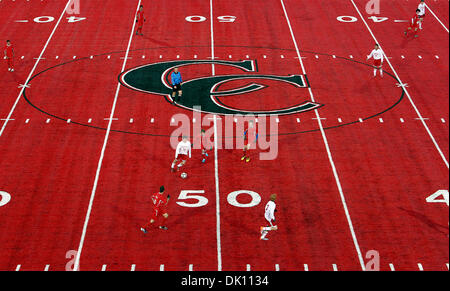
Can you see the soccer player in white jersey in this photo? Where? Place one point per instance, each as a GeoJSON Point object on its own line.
{"type": "Point", "coordinates": [378, 58]}
{"type": "Point", "coordinates": [181, 154]}
{"type": "Point", "coordinates": [421, 7]}
{"type": "Point", "coordinates": [269, 215]}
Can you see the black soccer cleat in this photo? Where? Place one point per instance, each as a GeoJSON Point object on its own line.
{"type": "Point", "coordinates": [143, 230]}
{"type": "Point", "coordinates": [163, 227]}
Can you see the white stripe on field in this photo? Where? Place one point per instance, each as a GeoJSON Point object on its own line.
{"type": "Point", "coordinates": [404, 88]}
{"type": "Point", "coordinates": [325, 140]}
{"type": "Point", "coordinates": [216, 158]}
{"type": "Point", "coordinates": [102, 154]}
{"type": "Point", "coordinates": [33, 69]}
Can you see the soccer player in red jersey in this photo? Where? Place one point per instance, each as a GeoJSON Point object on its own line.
{"type": "Point", "coordinates": [250, 135]}
{"type": "Point", "coordinates": [159, 208]}
{"type": "Point", "coordinates": [140, 19]}
{"type": "Point", "coordinates": [9, 55]}
{"type": "Point", "coordinates": [205, 148]}
{"type": "Point", "coordinates": [414, 25]}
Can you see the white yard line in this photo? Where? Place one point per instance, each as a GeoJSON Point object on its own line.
{"type": "Point", "coordinates": [437, 18]}
{"type": "Point", "coordinates": [33, 69]}
{"type": "Point", "coordinates": [105, 142]}
{"type": "Point", "coordinates": [404, 88]}
{"type": "Point", "coordinates": [330, 158]}
{"type": "Point", "coordinates": [216, 158]}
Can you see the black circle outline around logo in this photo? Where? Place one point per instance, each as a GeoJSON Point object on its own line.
{"type": "Point", "coordinates": [166, 135]}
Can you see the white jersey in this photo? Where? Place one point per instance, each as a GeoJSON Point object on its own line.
{"type": "Point", "coordinates": [270, 211]}
{"type": "Point", "coordinates": [376, 54]}
{"type": "Point", "coordinates": [183, 148]}
{"type": "Point", "coordinates": [421, 7]}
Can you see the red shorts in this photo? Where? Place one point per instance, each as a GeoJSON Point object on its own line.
{"type": "Point", "coordinates": [182, 157]}
{"type": "Point", "coordinates": [140, 23]}
{"type": "Point", "coordinates": [158, 211]}
{"type": "Point", "coordinates": [377, 63]}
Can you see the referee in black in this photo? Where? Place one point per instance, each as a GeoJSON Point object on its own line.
{"type": "Point", "coordinates": [176, 84]}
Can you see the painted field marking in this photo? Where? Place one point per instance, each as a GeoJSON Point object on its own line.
{"type": "Point", "coordinates": [305, 266]}
{"type": "Point", "coordinates": [111, 119]}
{"type": "Point", "coordinates": [437, 57]}
{"type": "Point", "coordinates": [429, 9]}
{"type": "Point", "coordinates": [247, 56]}
{"type": "Point", "coordinates": [103, 268]}
{"type": "Point", "coordinates": [178, 56]}
{"type": "Point", "coordinates": [48, 120]}
{"type": "Point", "coordinates": [443, 120]}
{"type": "Point", "coordinates": [131, 120]}
{"type": "Point", "coordinates": [152, 120]}
{"type": "Point", "coordinates": [47, 267]}
{"type": "Point", "coordinates": [328, 151]}
{"type": "Point", "coordinates": [405, 90]}
{"type": "Point", "coordinates": [298, 120]}
{"type": "Point", "coordinates": [68, 120]}
{"type": "Point", "coordinates": [381, 120]}
{"type": "Point", "coordinates": [195, 56]}
{"type": "Point", "coordinates": [335, 268]}
{"type": "Point", "coordinates": [133, 268]}
{"type": "Point", "coordinates": [277, 267]}
{"type": "Point", "coordinates": [420, 266]}
{"type": "Point", "coordinates": [18, 267]}
{"type": "Point", "coordinates": [340, 120]}
{"type": "Point", "coordinates": [249, 268]}
{"type": "Point", "coordinates": [392, 267]}
{"type": "Point", "coordinates": [402, 120]}
{"type": "Point", "coordinates": [191, 267]}
{"type": "Point", "coordinates": [89, 120]}
{"type": "Point", "coordinates": [28, 120]}
{"type": "Point", "coordinates": [11, 119]}
{"type": "Point", "coordinates": [161, 268]}
{"type": "Point", "coordinates": [102, 154]}
{"type": "Point", "coordinates": [447, 267]}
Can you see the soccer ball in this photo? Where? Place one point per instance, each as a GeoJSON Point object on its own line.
{"type": "Point", "coordinates": [184, 175]}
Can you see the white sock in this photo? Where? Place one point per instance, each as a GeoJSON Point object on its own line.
{"type": "Point", "coordinates": [264, 234]}
{"type": "Point", "coordinates": [180, 165]}
{"type": "Point", "coordinates": [375, 72]}
{"type": "Point", "coordinates": [173, 165]}
{"type": "Point", "coordinates": [381, 72]}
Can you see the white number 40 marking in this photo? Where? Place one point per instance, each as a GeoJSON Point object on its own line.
{"type": "Point", "coordinates": [434, 197]}
{"type": "Point", "coordinates": [4, 198]}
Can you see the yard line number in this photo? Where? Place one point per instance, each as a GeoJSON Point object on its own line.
{"type": "Point", "coordinates": [197, 200]}
{"type": "Point", "coordinates": [434, 198]}
{"type": "Point", "coordinates": [4, 198]}
{"type": "Point", "coordinates": [47, 19]}
{"type": "Point", "coordinates": [348, 19]}
{"type": "Point", "coordinates": [199, 18]}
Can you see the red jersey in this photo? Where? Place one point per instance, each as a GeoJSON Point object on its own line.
{"type": "Point", "coordinates": [140, 16]}
{"type": "Point", "coordinates": [251, 133]}
{"type": "Point", "coordinates": [415, 20]}
{"type": "Point", "coordinates": [9, 51]}
{"type": "Point", "coordinates": [158, 200]}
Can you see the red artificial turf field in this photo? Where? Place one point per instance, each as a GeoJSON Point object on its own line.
{"type": "Point", "coordinates": [81, 152]}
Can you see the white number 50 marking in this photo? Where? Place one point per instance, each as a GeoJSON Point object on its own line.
{"type": "Point", "coordinates": [4, 198]}
{"type": "Point", "coordinates": [231, 198]}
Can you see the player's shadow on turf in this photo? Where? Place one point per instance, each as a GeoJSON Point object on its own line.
{"type": "Point", "coordinates": [421, 217]}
